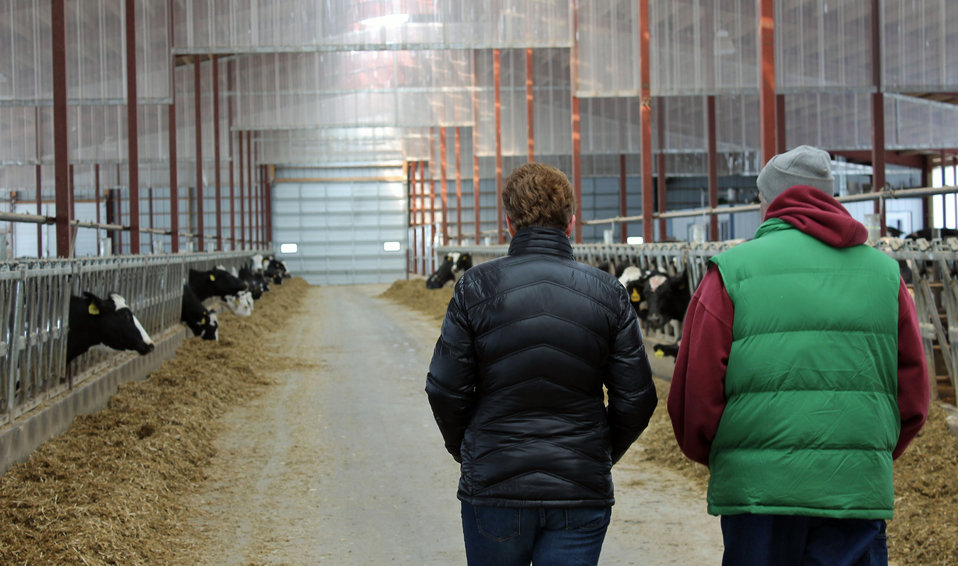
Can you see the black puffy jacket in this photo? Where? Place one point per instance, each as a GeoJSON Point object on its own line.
{"type": "Point", "coordinates": [516, 379]}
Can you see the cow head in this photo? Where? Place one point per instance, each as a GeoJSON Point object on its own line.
{"type": "Point", "coordinates": [240, 304]}
{"type": "Point", "coordinates": [275, 270]}
{"type": "Point", "coordinates": [633, 279]}
{"type": "Point", "coordinates": [216, 282]}
{"type": "Point", "coordinates": [453, 265]}
{"type": "Point", "coordinates": [108, 322]}
{"type": "Point", "coordinates": [206, 325]}
{"type": "Point", "coordinates": [668, 297]}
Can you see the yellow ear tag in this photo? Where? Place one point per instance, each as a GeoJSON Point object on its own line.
{"type": "Point", "coordinates": [93, 310]}
{"type": "Point", "coordinates": [659, 354]}
{"type": "Point", "coordinates": [636, 297]}
{"type": "Point", "coordinates": [202, 321]}
{"type": "Point", "coordinates": [212, 277]}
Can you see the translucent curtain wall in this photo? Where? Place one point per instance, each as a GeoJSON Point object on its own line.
{"type": "Point", "coordinates": [920, 45]}
{"type": "Point", "coordinates": [608, 48]}
{"type": "Point", "coordinates": [251, 26]}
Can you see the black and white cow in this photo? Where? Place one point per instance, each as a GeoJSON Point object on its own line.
{"type": "Point", "coordinates": [255, 282]}
{"type": "Point", "coordinates": [199, 319]}
{"type": "Point", "coordinates": [216, 282]}
{"type": "Point", "coordinates": [451, 268]}
{"type": "Point", "coordinates": [633, 278]}
{"type": "Point", "coordinates": [666, 350]}
{"type": "Point", "coordinates": [107, 322]}
{"type": "Point", "coordinates": [668, 298]}
{"type": "Point", "coordinates": [275, 269]}
{"type": "Point", "coordinates": [240, 304]}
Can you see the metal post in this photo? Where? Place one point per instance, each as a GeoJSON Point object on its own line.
{"type": "Point", "coordinates": [458, 188]}
{"type": "Point", "coordinates": [216, 152]}
{"type": "Point", "coordinates": [766, 99]}
{"type": "Point", "coordinates": [64, 211]}
{"type": "Point", "coordinates": [132, 129]}
{"type": "Point", "coordinates": [712, 165]}
{"type": "Point", "coordinates": [500, 236]}
{"type": "Point", "coordinates": [645, 118]}
{"type": "Point", "coordinates": [444, 193]}
{"type": "Point", "coordinates": [198, 124]}
{"type": "Point", "coordinates": [529, 106]}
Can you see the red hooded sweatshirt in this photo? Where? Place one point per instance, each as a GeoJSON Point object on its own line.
{"type": "Point", "coordinates": [697, 394]}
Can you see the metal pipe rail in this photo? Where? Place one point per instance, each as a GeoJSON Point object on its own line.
{"type": "Point", "coordinates": [884, 194]}
{"type": "Point", "coordinates": [929, 266]}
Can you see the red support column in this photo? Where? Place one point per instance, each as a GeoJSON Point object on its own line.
{"type": "Point", "coordinates": [645, 118]}
{"type": "Point", "coordinates": [242, 205]}
{"type": "Point", "coordinates": [576, 124]}
{"type": "Point", "coordinates": [529, 106]}
{"type": "Point", "coordinates": [780, 146]}
{"type": "Point", "coordinates": [458, 188]}
{"type": "Point", "coordinates": [197, 122]}
{"type": "Point", "coordinates": [766, 99]}
{"type": "Point", "coordinates": [229, 136]}
{"type": "Point", "coordinates": [133, 151]}
{"type": "Point", "coordinates": [174, 181]}
{"type": "Point", "coordinates": [500, 236]}
{"type": "Point", "coordinates": [422, 192]}
{"type": "Point", "coordinates": [249, 179]}
{"type": "Point", "coordinates": [878, 115]}
{"type": "Point", "coordinates": [660, 170]}
{"type": "Point", "coordinates": [411, 191]}
{"type": "Point", "coordinates": [216, 152]}
{"type": "Point", "coordinates": [475, 151]}
{"type": "Point", "coordinates": [40, 208]}
{"type": "Point", "coordinates": [623, 198]}
{"type": "Point", "coordinates": [64, 210]}
{"type": "Point", "coordinates": [444, 191]}
{"type": "Point", "coordinates": [712, 165]}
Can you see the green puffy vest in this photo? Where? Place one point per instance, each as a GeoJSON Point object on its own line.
{"type": "Point", "coordinates": [812, 415]}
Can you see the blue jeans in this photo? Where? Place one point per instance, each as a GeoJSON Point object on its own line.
{"type": "Point", "coordinates": [544, 536]}
{"type": "Point", "coordinates": [786, 540]}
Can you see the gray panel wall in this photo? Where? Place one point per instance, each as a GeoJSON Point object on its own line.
{"type": "Point", "coordinates": [339, 218]}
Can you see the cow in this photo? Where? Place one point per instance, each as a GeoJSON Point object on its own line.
{"type": "Point", "coordinates": [254, 281]}
{"type": "Point", "coordinates": [199, 319]}
{"type": "Point", "coordinates": [668, 298]}
{"type": "Point", "coordinates": [107, 322]}
{"type": "Point", "coordinates": [451, 268]}
{"type": "Point", "coordinates": [240, 304]}
{"type": "Point", "coordinates": [663, 350]}
{"type": "Point", "coordinates": [275, 269]}
{"type": "Point", "coordinates": [633, 279]}
{"type": "Point", "coordinates": [216, 282]}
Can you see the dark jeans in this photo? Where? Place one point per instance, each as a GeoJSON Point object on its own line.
{"type": "Point", "coordinates": [785, 540]}
{"type": "Point", "coordinates": [509, 536]}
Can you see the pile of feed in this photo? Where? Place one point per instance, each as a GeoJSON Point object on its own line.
{"type": "Point", "coordinates": [924, 531]}
{"type": "Point", "coordinates": [110, 490]}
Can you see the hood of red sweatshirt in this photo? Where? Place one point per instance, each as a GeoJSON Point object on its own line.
{"type": "Point", "coordinates": [819, 215]}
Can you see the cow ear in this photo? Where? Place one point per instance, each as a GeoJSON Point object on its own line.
{"type": "Point", "coordinates": [92, 303]}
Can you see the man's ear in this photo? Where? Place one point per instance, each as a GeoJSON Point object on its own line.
{"type": "Point", "coordinates": [568, 230]}
{"type": "Point", "coordinates": [512, 231]}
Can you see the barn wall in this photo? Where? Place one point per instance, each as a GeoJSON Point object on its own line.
{"type": "Point", "coordinates": [339, 218]}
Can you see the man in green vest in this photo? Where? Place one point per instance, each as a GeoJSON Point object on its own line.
{"type": "Point", "coordinates": [800, 377]}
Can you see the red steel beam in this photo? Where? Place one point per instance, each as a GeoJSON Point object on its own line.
{"type": "Point", "coordinates": [500, 236]}
{"type": "Point", "coordinates": [422, 212]}
{"type": "Point", "coordinates": [229, 136]}
{"type": "Point", "coordinates": [712, 165]}
{"type": "Point", "coordinates": [648, 230]}
{"type": "Point", "coordinates": [249, 182]}
{"type": "Point", "coordinates": [766, 99]}
{"type": "Point", "coordinates": [216, 152]}
{"type": "Point", "coordinates": [576, 123]}
{"type": "Point", "coordinates": [878, 114]}
{"type": "Point", "coordinates": [660, 169]}
{"type": "Point", "coordinates": [61, 171]}
{"type": "Point", "coordinates": [444, 188]}
{"type": "Point", "coordinates": [411, 191]}
{"type": "Point", "coordinates": [780, 146]}
{"type": "Point", "coordinates": [458, 188]}
{"type": "Point", "coordinates": [133, 151]}
{"type": "Point", "coordinates": [174, 181]}
{"type": "Point", "coordinates": [475, 148]}
{"type": "Point", "coordinates": [40, 206]}
{"type": "Point", "coordinates": [623, 199]}
{"type": "Point", "coordinates": [529, 106]}
{"type": "Point", "coordinates": [198, 124]}
{"type": "Point", "coordinates": [242, 204]}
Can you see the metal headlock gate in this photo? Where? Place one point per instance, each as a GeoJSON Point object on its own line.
{"type": "Point", "coordinates": [930, 269]}
{"type": "Point", "coordinates": [34, 323]}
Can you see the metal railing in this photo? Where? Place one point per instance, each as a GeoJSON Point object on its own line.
{"type": "Point", "coordinates": [34, 315]}
{"type": "Point", "coordinates": [930, 267]}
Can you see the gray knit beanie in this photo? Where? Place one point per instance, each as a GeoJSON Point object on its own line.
{"type": "Point", "coordinates": [804, 165]}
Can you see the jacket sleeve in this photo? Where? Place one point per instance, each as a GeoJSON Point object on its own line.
{"type": "Point", "coordinates": [697, 394]}
{"type": "Point", "coordinates": [632, 397]}
{"type": "Point", "coordinates": [451, 380]}
{"type": "Point", "coordinates": [913, 393]}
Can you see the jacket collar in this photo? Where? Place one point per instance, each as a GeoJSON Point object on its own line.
{"type": "Point", "coordinates": [541, 240]}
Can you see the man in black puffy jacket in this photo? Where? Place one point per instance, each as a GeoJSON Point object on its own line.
{"type": "Point", "coordinates": [516, 387]}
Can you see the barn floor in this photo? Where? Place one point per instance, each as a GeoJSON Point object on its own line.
{"type": "Point", "coordinates": [304, 437]}
{"type": "Point", "coordinates": [342, 463]}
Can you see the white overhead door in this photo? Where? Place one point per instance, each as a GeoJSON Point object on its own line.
{"type": "Point", "coordinates": [348, 224]}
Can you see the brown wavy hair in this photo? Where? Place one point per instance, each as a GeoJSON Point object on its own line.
{"type": "Point", "coordinates": [538, 195]}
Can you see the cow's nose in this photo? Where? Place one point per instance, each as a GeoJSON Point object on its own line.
{"type": "Point", "coordinates": [150, 348]}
